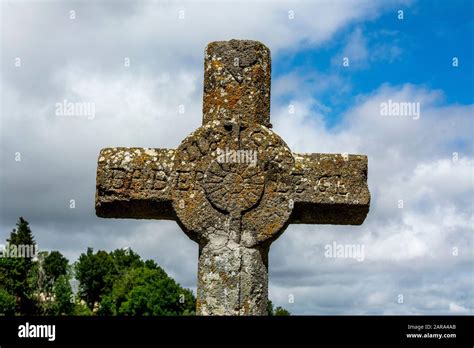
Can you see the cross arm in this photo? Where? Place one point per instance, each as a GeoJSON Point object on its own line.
{"type": "Point", "coordinates": [330, 189]}
{"type": "Point", "coordinates": [134, 183]}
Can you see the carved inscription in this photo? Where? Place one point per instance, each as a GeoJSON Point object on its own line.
{"type": "Point", "coordinates": [320, 184]}
{"type": "Point", "coordinates": [331, 184]}
{"type": "Point", "coordinates": [150, 179]}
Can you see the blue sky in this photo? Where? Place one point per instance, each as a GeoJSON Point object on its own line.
{"type": "Point", "coordinates": [429, 36]}
{"type": "Point", "coordinates": [422, 249]}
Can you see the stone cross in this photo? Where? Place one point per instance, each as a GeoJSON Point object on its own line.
{"type": "Point", "coordinates": [233, 185]}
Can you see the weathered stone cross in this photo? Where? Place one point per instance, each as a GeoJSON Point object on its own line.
{"type": "Point", "coordinates": [233, 185]}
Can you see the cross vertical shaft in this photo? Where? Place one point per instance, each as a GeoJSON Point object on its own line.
{"type": "Point", "coordinates": [237, 79]}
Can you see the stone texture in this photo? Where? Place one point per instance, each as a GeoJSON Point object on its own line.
{"type": "Point", "coordinates": [330, 189]}
{"type": "Point", "coordinates": [233, 185]}
{"type": "Point", "coordinates": [237, 77]}
{"type": "Point", "coordinates": [134, 183]}
{"type": "Point", "coordinates": [206, 198]}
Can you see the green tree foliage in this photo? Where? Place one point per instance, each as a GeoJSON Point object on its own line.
{"type": "Point", "coordinates": [63, 296]}
{"type": "Point", "coordinates": [81, 308]}
{"type": "Point", "coordinates": [269, 308]}
{"type": "Point", "coordinates": [22, 234]}
{"type": "Point", "coordinates": [55, 265]}
{"type": "Point", "coordinates": [148, 291]}
{"type": "Point", "coordinates": [48, 268]}
{"type": "Point", "coordinates": [124, 259]}
{"type": "Point", "coordinates": [16, 272]}
{"type": "Point", "coordinates": [7, 303]}
{"type": "Point", "coordinates": [95, 273]}
{"type": "Point", "coordinates": [98, 272]}
{"type": "Point", "coordinates": [279, 311]}
{"type": "Point", "coordinates": [51, 279]}
{"type": "Point", "coordinates": [115, 283]}
{"type": "Point", "coordinates": [11, 275]}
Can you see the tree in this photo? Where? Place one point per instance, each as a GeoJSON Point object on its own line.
{"type": "Point", "coordinates": [148, 291]}
{"type": "Point", "coordinates": [16, 272]}
{"type": "Point", "coordinates": [279, 311]}
{"type": "Point", "coordinates": [22, 234]}
{"type": "Point", "coordinates": [63, 296]}
{"type": "Point", "coordinates": [7, 303]}
{"type": "Point", "coordinates": [55, 265]}
{"type": "Point", "coordinates": [81, 308]}
{"type": "Point", "coordinates": [47, 269]}
{"type": "Point", "coordinates": [10, 275]}
{"type": "Point", "coordinates": [269, 308]}
{"type": "Point", "coordinates": [95, 273]}
{"type": "Point", "coordinates": [124, 259]}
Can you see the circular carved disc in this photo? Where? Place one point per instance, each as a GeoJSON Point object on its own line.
{"type": "Point", "coordinates": [233, 173]}
{"type": "Point", "coordinates": [233, 187]}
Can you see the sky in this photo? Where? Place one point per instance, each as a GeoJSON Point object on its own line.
{"type": "Point", "coordinates": [334, 64]}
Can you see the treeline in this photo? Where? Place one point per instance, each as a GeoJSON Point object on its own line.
{"type": "Point", "coordinates": [109, 283]}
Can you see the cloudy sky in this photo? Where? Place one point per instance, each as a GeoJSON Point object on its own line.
{"type": "Point", "coordinates": [140, 63]}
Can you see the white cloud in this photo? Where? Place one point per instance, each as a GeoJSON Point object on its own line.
{"type": "Point", "coordinates": [456, 309]}
{"type": "Point", "coordinates": [409, 160]}
{"type": "Point", "coordinates": [363, 48]}
{"type": "Point", "coordinates": [355, 50]}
